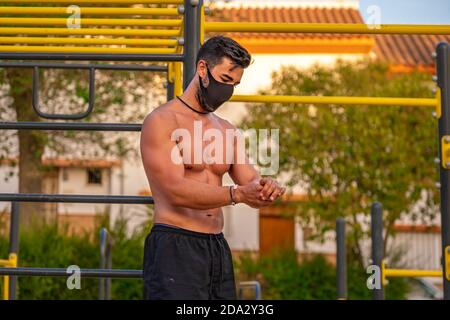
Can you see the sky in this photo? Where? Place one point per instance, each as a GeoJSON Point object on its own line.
{"type": "Point", "coordinates": [408, 11]}
{"type": "Point", "coordinates": [398, 11]}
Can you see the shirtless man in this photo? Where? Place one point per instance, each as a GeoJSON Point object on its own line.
{"type": "Point", "coordinates": [186, 255]}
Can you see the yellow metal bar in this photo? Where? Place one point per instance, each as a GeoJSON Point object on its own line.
{"type": "Point", "coordinates": [6, 288]}
{"type": "Point", "coordinates": [98, 1]}
{"type": "Point", "coordinates": [447, 262]}
{"type": "Point", "coordinates": [64, 49]}
{"type": "Point", "coordinates": [89, 10]}
{"type": "Point", "coordinates": [325, 28]}
{"type": "Point", "coordinates": [384, 281]}
{"type": "Point", "coordinates": [445, 151]}
{"type": "Point", "coordinates": [4, 263]}
{"type": "Point", "coordinates": [438, 102]}
{"type": "Point", "coordinates": [12, 263]}
{"type": "Point", "coordinates": [412, 273]}
{"type": "Point", "coordinates": [170, 73]}
{"type": "Point", "coordinates": [91, 31]}
{"type": "Point", "coordinates": [178, 86]}
{"type": "Point", "coordinates": [418, 102]}
{"type": "Point", "coordinates": [202, 24]}
{"type": "Point", "coordinates": [116, 41]}
{"type": "Point", "coordinates": [178, 74]}
{"type": "Point", "coordinates": [88, 21]}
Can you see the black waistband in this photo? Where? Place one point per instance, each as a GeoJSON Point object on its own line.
{"type": "Point", "coordinates": [173, 229]}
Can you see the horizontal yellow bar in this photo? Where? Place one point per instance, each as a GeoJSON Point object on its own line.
{"type": "Point", "coordinates": [89, 21]}
{"type": "Point", "coordinates": [4, 262]}
{"type": "Point", "coordinates": [89, 10]}
{"type": "Point", "coordinates": [97, 1]}
{"type": "Point", "coordinates": [119, 41]}
{"type": "Point", "coordinates": [412, 273]}
{"type": "Point", "coordinates": [91, 31]}
{"type": "Point", "coordinates": [418, 102]}
{"type": "Point", "coordinates": [325, 28]}
{"type": "Point", "coordinates": [86, 49]}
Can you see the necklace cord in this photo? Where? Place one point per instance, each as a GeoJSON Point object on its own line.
{"type": "Point", "coordinates": [190, 106]}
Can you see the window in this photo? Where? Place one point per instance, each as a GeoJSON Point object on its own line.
{"type": "Point", "coordinates": [94, 176]}
{"type": "Point", "coordinates": [65, 174]}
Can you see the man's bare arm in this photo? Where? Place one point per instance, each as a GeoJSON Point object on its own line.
{"type": "Point", "coordinates": [244, 172]}
{"type": "Point", "coordinates": [241, 171]}
{"type": "Point", "coordinates": [167, 176]}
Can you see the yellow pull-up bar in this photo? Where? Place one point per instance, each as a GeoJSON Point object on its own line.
{"type": "Point", "coordinates": [325, 28]}
{"type": "Point", "coordinates": [98, 1]}
{"type": "Point", "coordinates": [385, 101]}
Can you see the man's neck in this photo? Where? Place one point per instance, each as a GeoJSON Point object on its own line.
{"type": "Point", "coordinates": [189, 96]}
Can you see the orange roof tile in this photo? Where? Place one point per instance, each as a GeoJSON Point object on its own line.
{"type": "Point", "coordinates": [398, 50]}
{"type": "Point", "coordinates": [84, 163]}
{"type": "Point", "coordinates": [64, 162]}
{"type": "Point", "coordinates": [408, 50]}
{"type": "Point", "coordinates": [289, 15]}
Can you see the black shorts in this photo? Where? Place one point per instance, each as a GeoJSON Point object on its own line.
{"type": "Point", "coordinates": [187, 265]}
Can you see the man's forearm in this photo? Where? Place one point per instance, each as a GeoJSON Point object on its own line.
{"type": "Point", "coordinates": [198, 195]}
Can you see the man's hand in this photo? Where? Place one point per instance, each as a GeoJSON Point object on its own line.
{"type": "Point", "coordinates": [250, 195]}
{"type": "Point", "coordinates": [259, 193]}
{"type": "Point", "coordinates": [271, 189]}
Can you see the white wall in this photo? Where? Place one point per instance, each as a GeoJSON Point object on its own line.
{"type": "Point", "coordinates": [77, 183]}
{"type": "Point", "coordinates": [10, 186]}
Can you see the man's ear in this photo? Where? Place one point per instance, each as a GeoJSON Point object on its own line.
{"type": "Point", "coordinates": [201, 68]}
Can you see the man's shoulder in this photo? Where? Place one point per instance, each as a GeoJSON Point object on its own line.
{"type": "Point", "coordinates": [162, 115]}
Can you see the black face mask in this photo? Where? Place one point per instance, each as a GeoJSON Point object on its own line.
{"type": "Point", "coordinates": [213, 96]}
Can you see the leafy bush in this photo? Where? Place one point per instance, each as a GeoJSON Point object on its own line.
{"type": "Point", "coordinates": [283, 277]}
{"type": "Point", "coordinates": [51, 246]}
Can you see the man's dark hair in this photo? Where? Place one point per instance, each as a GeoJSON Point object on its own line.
{"type": "Point", "coordinates": [216, 48]}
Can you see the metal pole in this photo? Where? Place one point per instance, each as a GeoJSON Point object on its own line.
{"type": "Point", "coordinates": [377, 244]}
{"type": "Point", "coordinates": [14, 246]}
{"type": "Point", "coordinates": [62, 272]}
{"type": "Point", "coordinates": [443, 81]}
{"type": "Point", "coordinates": [109, 267]}
{"type": "Point", "coordinates": [170, 89]}
{"type": "Point", "coordinates": [101, 281]}
{"type": "Point", "coordinates": [341, 260]}
{"type": "Point", "coordinates": [191, 38]}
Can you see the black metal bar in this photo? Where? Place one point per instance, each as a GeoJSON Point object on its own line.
{"type": "Point", "coordinates": [377, 245]}
{"type": "Point", "coordinates": [70, 126]}
{"type": "Point", "coordinates": [98, 66]}
{"type": "Point", "coordinates": [13, 245]}
{"type": "Point", "coordinates": [74, 198]}
{"type": "Point", "coordinates": [76, 116]}
{"type": "Point", "coordinates": [341, 260]}
{"type": "Point", "coordinates": [101, 281]}
{"type": "Point", "coordinates": [61, 272]}
{"type": "Point", "coordinates": [443, 81]}
{"type": "Point", "coordinates": [109, 267]}
{"type": "Point", "coordinates": [90, 56]}
{"type": "Point", "coordinates": [191, 38]}
{"type": "Point", "coordinates": [170, 90]}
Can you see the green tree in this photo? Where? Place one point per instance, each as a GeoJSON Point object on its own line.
{"type": "Point", "coordinates": [346, 157]}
